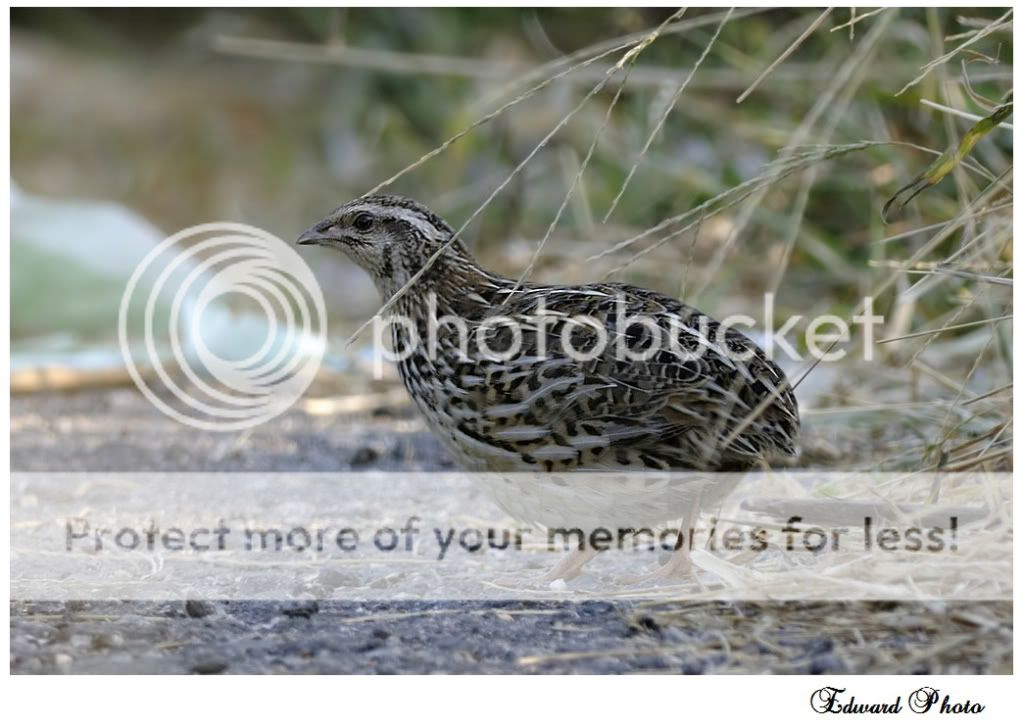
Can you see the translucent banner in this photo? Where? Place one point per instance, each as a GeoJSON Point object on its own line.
{"type": "Point", "coordinates": [400, 536]}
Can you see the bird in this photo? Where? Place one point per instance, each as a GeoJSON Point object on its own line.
{"type": "Point", "coordinates": [516, 376]}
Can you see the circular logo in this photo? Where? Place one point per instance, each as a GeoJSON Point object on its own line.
{"type": "Point", "coordinates": [178, 313]}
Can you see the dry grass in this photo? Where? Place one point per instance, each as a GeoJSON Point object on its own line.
{"type": "Point", "coordinates": [843, 110]}
{"type": "Point", "coordinates": [942, 274]}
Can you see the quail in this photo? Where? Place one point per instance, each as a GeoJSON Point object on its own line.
{"type": "Point", "coordinates": [519, 376]}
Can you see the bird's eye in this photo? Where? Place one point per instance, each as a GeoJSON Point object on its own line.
{"type": "Point", "coordinates": [363, 222]}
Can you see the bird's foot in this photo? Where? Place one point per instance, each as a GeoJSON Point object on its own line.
{"type": "Point", "coordinates": [531, 584]}
{"type": "Point", "coordinates": [556, 579]}
{"type": "Point", "coordinates": [570, 566]}
{"type": "Point", "coordinates": [678, 566]}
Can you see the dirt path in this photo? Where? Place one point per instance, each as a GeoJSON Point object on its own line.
{"type": "Point", "coordinates": [116, 430]}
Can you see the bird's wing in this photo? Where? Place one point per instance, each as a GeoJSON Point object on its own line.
{"type": "Point", "coordinates": [667, 381]}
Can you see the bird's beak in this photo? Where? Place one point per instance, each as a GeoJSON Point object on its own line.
{"type": "Point", "coordinates": [312, 236]}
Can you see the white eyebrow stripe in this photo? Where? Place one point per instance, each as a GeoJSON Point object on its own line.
{"type": "Point", "coordinates": [412, 217]}
{"type": "Point", "coordinates": [404, 214]}
{"type": "Point", "coordinates": [373, 209]}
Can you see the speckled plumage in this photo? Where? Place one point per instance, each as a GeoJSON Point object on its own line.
{"type": "Point", "coordinates": [558, 412]}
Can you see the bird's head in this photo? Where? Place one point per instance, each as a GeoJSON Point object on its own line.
{"type": "Point", "coordinates": [389, 237]}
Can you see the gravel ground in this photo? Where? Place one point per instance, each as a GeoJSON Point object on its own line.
{"type": "Point", "coordinates": [508, 637]}
{"type": "Point", "coordinates": [116, 430]}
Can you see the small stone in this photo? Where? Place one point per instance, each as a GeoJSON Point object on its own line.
{"type": "Point", "coordinates": [827, 664]}
{"type": "Point", "coordinates": [364, 456]}
{"type": "Point", "coordinates": [303, 610]}
{"type": "Point", "coordinates": [692, 667]}
{"type": "Point", "coordinates": [209, 667]}
{"type": "Point", "coordinates": [646, 623]}
{"type": "Point", "coordinates": [819, 646]}
{"type": "Point", "coordinates": [559, 585]}
{"type": "Point", "coordinates": [651, 662]}
{"type": "Point", "coordinates": [106, 641]}
{"type": "Point", "coordinates": [197, 608]}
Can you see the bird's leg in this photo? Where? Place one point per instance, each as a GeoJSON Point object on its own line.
{"type": "Point", "coordinates": [567, 569]}
{"type": "Point", "coordinates": [680, 564]}
{"type": "Point", "coordinates": [571, 565]}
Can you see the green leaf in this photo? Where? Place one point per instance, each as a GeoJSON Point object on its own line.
{"type": "Point", "coordinates": [946, 162]}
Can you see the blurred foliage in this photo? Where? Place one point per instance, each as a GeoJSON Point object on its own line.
{"type": "Point", "coordinates": [188, 116]}
{"type": "Point", "coordinates": [140, 107]}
